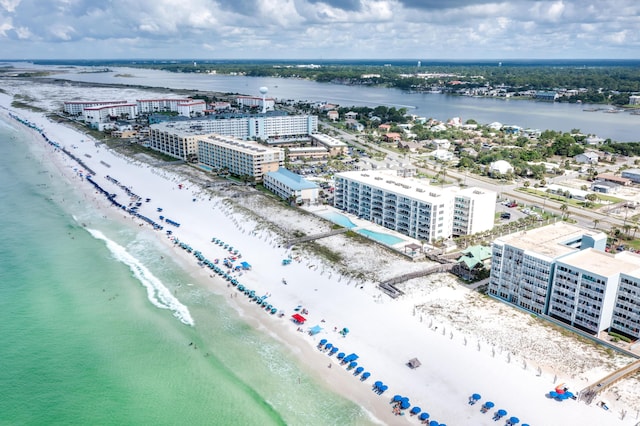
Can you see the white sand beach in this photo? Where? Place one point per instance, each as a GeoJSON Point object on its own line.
{"type": "Point", "coordinates": [466, 342]}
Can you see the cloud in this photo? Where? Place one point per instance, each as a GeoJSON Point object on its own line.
{"type": "Point", "coordinates": [321, 28]}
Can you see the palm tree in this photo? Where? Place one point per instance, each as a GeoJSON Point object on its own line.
{"type": "Point", "coordinates": [564, 208]}
{"type": "Point", "coordinates": [595, 223]}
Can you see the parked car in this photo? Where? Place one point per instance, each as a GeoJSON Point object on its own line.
{"type": "Point", "coordinates": [512, 204]}
{"type": "Point", "coordinates": [505, 215]}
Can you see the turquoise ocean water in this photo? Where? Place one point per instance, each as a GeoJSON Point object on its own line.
{"type": "Point", "coordinates": [85, 339]}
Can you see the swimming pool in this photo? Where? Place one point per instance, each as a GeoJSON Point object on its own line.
{"type": "Point", "coordinates": [207, 168]}
{"type": "Point", "coordinates": [339, 219]}
{"type": "Point", "coordinates": [381, 237]}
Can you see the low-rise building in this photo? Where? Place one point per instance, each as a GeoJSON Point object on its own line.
{"type": "Point", "coordinates": [631, 174]}
{"type": "Point", "coordinates": [307, 152]}
{"type": "Point", "coordinates": [291, 186]}
{"type": "Point", "coordinates": [615, 179]}
{"type": "Point", "coordinates": [332, 145]}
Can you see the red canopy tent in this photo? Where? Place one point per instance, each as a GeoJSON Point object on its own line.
{"type": "Point", "coordinates": [298, 318]}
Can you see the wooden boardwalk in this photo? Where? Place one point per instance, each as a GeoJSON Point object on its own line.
{"type": "Point", "coordinates": [589, 393]}
{"type": "Point", "coordinates": [316, 236]}
{"type": "Point", "coordinates": [389, 288]}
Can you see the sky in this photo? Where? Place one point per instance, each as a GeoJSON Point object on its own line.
{"type": "Point", "coordinates": [319, 29]}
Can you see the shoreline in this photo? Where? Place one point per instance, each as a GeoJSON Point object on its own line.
{"type": "Point", "coordinates": [370, 318]}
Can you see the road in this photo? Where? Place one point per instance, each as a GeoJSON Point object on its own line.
{"type": "Point", "coordinates": [505, 190]}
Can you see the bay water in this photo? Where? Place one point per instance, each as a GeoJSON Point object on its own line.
{"type": "Point", "coordinates": [91, 334]}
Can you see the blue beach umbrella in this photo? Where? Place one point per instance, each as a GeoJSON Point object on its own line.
{"type": "Point", "coordinates": [424, 416]}
{"type": "Point", "coordinates": [365, 375]}
{"type": "Point", "coordinates": [396, 398]}
{"type": "Point", "coordinates": [489, 404]}
{"type": "Point", "coordinates": [377, 384]}
{"type": "Point", "coordinates": [416, 410]}
{"type": "Point", "coordinates": [502, 412]}
{"type": "Point", "coordinates": [476, 396]}
{"type": "Point", "coordinates": [323, 341]}
{"type": "Point", "coordinates": [434, 423]}
{"type": "Point", "coordinates": [514, 420]}
{"type": "Point", "coordinates": [404, 404]}
{"type": "Point", "coordinates": [383, 388]}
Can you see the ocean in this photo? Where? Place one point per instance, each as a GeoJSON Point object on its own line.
{"type": "Point", "coordinates": [92, 334]}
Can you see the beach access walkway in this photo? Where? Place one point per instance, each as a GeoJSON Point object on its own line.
{"type": "Point", "coordinates": [295, 241]}
{"type": "Point", "coordinates": [389, 288]}
{"type": "Point", "coordinates": [589, 393]}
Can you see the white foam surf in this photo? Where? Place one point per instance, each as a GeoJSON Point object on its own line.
{"type": "Point", "coordinates": [157, 293]}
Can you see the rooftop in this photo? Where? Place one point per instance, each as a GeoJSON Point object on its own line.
{"type": "Point", "coordinates": [292, 180]}
{"type": "Point", "coordinates": [604, 264]}
{"type": "Point", "coordinates": [550, 241]}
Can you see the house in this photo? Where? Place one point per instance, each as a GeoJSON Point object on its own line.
{"type": "Point", "coordinates": [384, 127]}
{"type": "Point", "coordinates": [333, 115]}
{"type": "Point", "coordinates": [586, 158]}
{"type": "Point", "coordinates": [354, 125]}
{"type": "Point", "coordinates": [410, 145]}
{"type": "Point", "coordinates": [500, 167]}
{"type": "Point", "coordinates": [392, 137]}
{"type": "Point", "coordinates": [440, 143]}
{"type": "Point", "coordinates": [473, 261]}
{"type": "Point", "coordinates": [469, 152]}
{"type": "Point", "coordinates": [351, 115]}
{"type": "Point", "coordinates": [441, 155]}
{"type": "Point", "coordinates": [550, 96]}
{"type": "Point", "coordinates": [593, 140]}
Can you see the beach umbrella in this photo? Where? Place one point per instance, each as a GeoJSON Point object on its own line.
{"type": "Point", "coordinates": [323, 341]}
{"type": "Point", "coordinates": [377, 384]}
{"type": "Point", "coordinates": [424, 415]}
{"type": "Point", "coordinates": [404, 403]}
{"type": "Point", "coordinates": [514, 420]}
{"type": "Point", "coordinates": [334, 350]}
{"type": "Point", "coordinates": [416, 410]}
{"type": "Point", "coordinates": [329, 346]}
{"type": "Point", "coordinates": [340, 355]}
{"type": "Point", "coordinates": [383, 388]}
{"type": "Point", "coordinates": [502, 412]}
{"type": "Point", "coordinates": [396, 398]}
{"type": "Point", "coordinates": [434, 423]}
{"type": "Point", "coordinates": [476, 396]}
{"type": "Point", "coordinates": [365, 375]}
{"type": "Point", "coordinates": [489, 404]}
